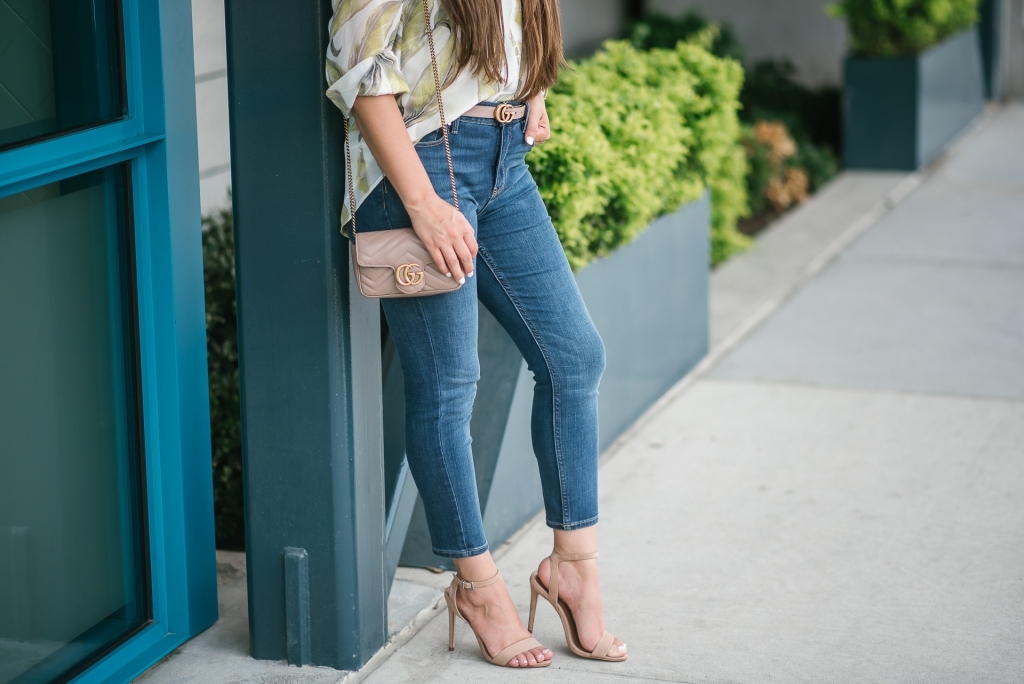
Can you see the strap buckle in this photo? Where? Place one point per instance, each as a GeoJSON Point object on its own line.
{"type": "Point", "coordinates": [503, 113]}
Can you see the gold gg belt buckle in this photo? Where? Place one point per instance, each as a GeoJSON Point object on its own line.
{"type": "Point", "coordinates": [503, 113]}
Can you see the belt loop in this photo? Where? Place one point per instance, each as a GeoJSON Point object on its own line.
{"type": "Point", "coordinates": [454, 127]}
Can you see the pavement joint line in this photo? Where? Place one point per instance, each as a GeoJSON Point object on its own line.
{"type": "Point", "coordinates": [852, 389]}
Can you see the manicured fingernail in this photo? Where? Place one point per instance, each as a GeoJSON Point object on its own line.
{"type": "Point", "coordinates": [448, 275]}
{"type": "Point", "coordinates": [462, 280]}
{"type": "Point", "coordinates": [529, 140]}
{"type": "Point", "coordinates": [471, 274]}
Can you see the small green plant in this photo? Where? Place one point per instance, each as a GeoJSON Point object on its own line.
{"type": "Point", "coordinates": [634, 136]}
{"type": "Point", "coordinates": [902, 28]}
{"type": "Point", "coordinates": [222, 355]}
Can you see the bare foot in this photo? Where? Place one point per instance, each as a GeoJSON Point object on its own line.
{"type": "Point", "coordinates": [580, 587]}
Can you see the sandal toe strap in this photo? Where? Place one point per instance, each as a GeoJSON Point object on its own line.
{"type": "Point", "coordinates": [505, 654]}
{"type": "Point", "coordinates": [604, 646]}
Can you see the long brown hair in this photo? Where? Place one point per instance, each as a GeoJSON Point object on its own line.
{"type": "Point", "coordinates": [480, 41]}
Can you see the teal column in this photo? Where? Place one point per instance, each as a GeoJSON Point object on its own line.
{"type": "Point", "coordinates": [309, 350]}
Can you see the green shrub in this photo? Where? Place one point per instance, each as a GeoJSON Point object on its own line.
{"type": "Point", "coordinates": [634, 136]}
{"type": "Point", "coordinates": [771, 92]}
{"type": "Point", "coordinates": [222, 355]}
{"type": "Point", "coordinates": [898, 28]}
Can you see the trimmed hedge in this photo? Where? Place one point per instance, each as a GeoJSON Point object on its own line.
{"type": "Point", "coordinates": [222, 355]}
{"type": "Point", "coordinates": [902, 28]}
{"type": "Point", "coordinates": [636, 134]}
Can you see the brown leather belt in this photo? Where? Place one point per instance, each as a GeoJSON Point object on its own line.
{"type": "Point", "coordinates": [502, 113]}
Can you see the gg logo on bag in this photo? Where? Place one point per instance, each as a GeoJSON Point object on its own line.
{"type": "Point", "coordinates": [409, 274]}
{"type": "Point", "coordinates": [503, 113]}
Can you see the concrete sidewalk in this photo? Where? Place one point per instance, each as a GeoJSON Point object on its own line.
{"type": "Point", "coordinates": [834, 496]}
{"type": "Point", "coordinates": [841, 498]}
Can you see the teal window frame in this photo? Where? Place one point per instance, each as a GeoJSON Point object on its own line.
{"type": "Point", "coordinates": [157, 139]}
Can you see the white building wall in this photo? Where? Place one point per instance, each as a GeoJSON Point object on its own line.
{"type": "Point", "coordinates": [211, 103]}
{"type": "Point", "coordinates": [587, 23]}
{"type": "Point", "coordinates": [795, 29]}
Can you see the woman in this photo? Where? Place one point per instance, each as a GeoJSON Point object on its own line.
{"type": "Point", "coordinates": [503, 248]}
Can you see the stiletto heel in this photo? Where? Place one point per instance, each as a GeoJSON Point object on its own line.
{"type": "Point", "coordinates": [603, 650]}
{"type": "Point", "coordinates": [505, 654]}
{"type": "Point", "coordinates": [533, 607]}
{"type": "Point", "coordinates": [451, 629]}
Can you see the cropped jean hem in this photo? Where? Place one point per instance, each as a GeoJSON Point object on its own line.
{"type": "Point", "coordinates": [460, 554]}
{"type": "Point", "coordinates": [573, 525]}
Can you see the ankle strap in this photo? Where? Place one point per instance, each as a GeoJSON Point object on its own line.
{"type": "Point", "coordinates": [574, 556]}
{"type": "Point", "coordinates": [477, 584]}
{"type": "Point", "coordinates": [557, 558]}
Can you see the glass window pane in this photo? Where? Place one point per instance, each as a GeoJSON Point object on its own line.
{"type": "Point", "coordinates": [60, 67]}
{"type": "Point", "coordinates": [73, 575]}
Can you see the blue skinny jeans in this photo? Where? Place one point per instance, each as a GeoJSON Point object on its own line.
{"type": "Point", "coordinates": [524, 280]}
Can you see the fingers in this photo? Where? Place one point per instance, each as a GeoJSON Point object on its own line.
{"type": "Point", "coordinates": [471, 243]}
{"type": "Point", "coordinates": [449, 238]}
{"type": "Point", "coordinates": [451, 260]}
{"type": "Point", "coordinates": [465, 257]}
{"type": "Point", "coordinates": [438, 258]}
{"type": "Point", "coordinates": [531, 134]}
{"type": "Point", "coordinates": [533, 125]}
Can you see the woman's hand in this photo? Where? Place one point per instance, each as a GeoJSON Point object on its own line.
{"type": "Point", "coordinates": [538, 129]}
{"type": "Point", "coordinates": [446, 234]}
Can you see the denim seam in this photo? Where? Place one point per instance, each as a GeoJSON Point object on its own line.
{"type": "Point", "coordinates": [475, 551]}
{"type": "Point", "coordinates": [555, 391]}
{"type": "Point", "coordinates": [572, 526]}
{"type": "Point", "coordinates": [437, 383]}
{"type": "Point", "coordinates": [430, 143]}
{"type": "Point", "coordinates": [500, 172]}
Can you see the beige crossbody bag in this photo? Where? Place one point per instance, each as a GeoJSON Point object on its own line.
{"type": "Point", "coordinates": [394, 262]}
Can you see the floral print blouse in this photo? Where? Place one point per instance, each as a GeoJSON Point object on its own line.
{"type": "Point", "coordinates": [379, 47]}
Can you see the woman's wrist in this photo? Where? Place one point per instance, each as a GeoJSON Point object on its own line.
{"type": "Point", "coordinates": [418, 200]}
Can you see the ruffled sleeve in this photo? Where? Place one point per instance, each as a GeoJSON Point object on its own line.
{"type": "Point", "coordinates": [361, 57]}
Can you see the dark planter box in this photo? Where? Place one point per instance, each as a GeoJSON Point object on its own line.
{"type": "Point", "coordinates": [990, 30]}
{"type": "Point", "coordinates": [900, 113]}
{"type": "Point", "coordinates": [649, 300]}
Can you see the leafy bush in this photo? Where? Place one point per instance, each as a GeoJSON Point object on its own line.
{"type": "Point", "coordinates": [771, 92]}
{"type": "Point", "coordinates": [898, 28]}
{"type": "Point", "coordinates": [634, 136]}
{"type": "Point", "coordinates": [222, 355]}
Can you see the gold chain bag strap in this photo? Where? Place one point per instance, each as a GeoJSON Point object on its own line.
{"type": "Point", "coordinates": [394, 262]}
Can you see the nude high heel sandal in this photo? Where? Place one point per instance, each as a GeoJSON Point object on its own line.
{"type": "Point", "coordinates": [603, 650]}
{"type": "Point", "coordinates": [505, 654]}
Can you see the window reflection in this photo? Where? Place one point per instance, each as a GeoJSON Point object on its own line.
{"type": "Point", "coordinates": [60, 67]}
{"type": "Point", "coordinates": [73, 578]}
